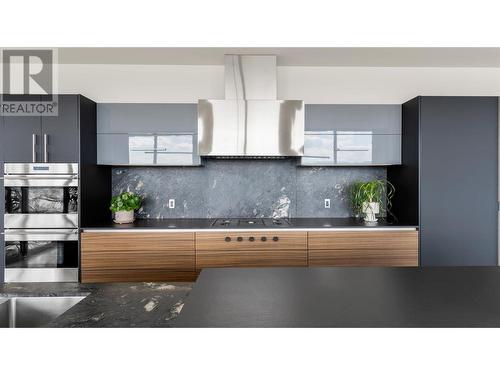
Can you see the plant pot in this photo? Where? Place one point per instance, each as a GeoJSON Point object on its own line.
{"type": "Point", "coordinates": [371, 209]}
{"type": "Point", "coordinates": [124, 217]}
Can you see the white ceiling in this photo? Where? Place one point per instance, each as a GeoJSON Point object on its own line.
{"type": "Point", "coordinates": [377, 57]}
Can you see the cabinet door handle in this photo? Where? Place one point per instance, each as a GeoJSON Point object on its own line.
{"type": "Point", "coordinates": [46, 152]}
{"type": "Point", "coordinates": [33, 147]}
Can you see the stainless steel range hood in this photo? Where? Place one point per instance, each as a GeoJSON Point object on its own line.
{"type": "Point", "coordinates": [250, 122]}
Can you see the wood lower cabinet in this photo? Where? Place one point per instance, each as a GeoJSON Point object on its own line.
{"type": "Point", "coordinates": [244, 249]}
{"type": "Point", "coordinates": [109, 257]}
{"type": "Point", "coordinates": [136, 256]}
{"type": "Point", "coordinates": [363, 248]}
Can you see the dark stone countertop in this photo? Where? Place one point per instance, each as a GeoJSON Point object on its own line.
{"type": "Point", "coordinates": [110, 305]}
{"type": "Point", "coordinates": [206, 224]}
{"type": "Point", "coordinates": [344, 297]}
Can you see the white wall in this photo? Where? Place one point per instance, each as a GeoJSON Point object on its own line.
{"type": "Point", "coordinates": [383, 85]}
{"type": "Point", "coordinates": [188, 83]}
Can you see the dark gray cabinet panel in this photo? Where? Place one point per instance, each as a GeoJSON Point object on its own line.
{"type": "Point", "coordinates": [448, 180]}
{"type": "Point", "coordinates": [458, 181]}
{"type": "Point", "coordinates": [22, 141]}
{"type": "Point", "coordinates": [352, 135]}
{"type": "Point", "coordinates": [19, 134]}
{"type": "Point", "coordinates": [55, 138]}
{"type": "Point", "coordinates": [405, 177]}
{"type": "Point", "coordinates": [61, 132]}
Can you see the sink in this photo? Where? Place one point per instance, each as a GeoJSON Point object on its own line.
{"type": "Point", "coordinates": [31, 312]}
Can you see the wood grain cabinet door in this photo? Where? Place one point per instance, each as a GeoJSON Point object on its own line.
{"type": "Point", "coordinates": [363, 248]}
{"type": "Point", "coordinates": [137, 256]}
{"type": "Point", "coordinates": [244, 249]}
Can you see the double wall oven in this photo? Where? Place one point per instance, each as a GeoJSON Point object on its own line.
{"type": "Point", "coordinates": [41, 222]}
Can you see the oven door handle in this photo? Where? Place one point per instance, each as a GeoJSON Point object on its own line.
{"type": "Point", "coordinates": [33, 149]}
{"type": "Point", "coordinates": [41, 181]}
{"type": "Point", "coordinates": [41, 235]}
{"type": "Point", "coordinates": [42, 177]}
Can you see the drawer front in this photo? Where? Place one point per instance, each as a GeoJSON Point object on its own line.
{"type": "Point", "coordinates": [371, 248]}
{"type": "Point", "coordinates": [136, 251]}
{"type": "Point", "coordinates": [212, 249]}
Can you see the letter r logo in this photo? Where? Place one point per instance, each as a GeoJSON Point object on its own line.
{"type": "Point", "coordinates": [27, 71]}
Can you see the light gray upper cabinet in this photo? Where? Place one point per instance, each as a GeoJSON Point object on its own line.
{"type": "Point", "coordinates": [352, 135]}
{"type": "Point", "coordinates": [147, 134]}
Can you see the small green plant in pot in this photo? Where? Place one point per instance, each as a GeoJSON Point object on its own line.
{"type": "Point", "coordinates": [367, 198]}
{"type": "Point", "coordinates": [123, 206]}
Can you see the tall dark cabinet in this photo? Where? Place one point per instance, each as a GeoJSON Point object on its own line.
{"type": "Point", "coordinates": [69, 137]}
{"type": "Point", "coordinates": [2, 201]}
{"type": "Point", "coordinates": [448, 180]}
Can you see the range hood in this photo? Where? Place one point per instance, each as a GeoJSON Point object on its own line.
{"type": "Point", "coordinates": [250, 122]}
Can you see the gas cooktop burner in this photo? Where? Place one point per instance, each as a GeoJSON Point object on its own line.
{"type": "Point", "coordinates": [251, 223]}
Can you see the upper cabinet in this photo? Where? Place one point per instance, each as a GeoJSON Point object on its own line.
{"type": "Point", "coordinates": [43, 139]}
{"type": "Point", "coordinates": [147, 134]}
{"type": "Point", "coordinates": [352, 135]}
{"type": "Point", "coordinates": [60, 136]}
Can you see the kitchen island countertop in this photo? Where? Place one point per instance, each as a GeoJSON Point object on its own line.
{"type": "Point", "coordinates": [344, 297]}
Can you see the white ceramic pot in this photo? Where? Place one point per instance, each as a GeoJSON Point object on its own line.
{"type": "Point", "coordinates": [371, 209]}
{"type": "Point", "coordinates": [124, 217]}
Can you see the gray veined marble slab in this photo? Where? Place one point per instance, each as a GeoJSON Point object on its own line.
{"type": "Point", "coordinates": [242, 188]}
{"type": "Point", "coordinates": [253, 188]}
{"type": "Point", "coordinates": [158, 185]}
{"type": "Point", "coordinates": [316, 184]}
{"type": "Point", "coordinates": [110, 304]}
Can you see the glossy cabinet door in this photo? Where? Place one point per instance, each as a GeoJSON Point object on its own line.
{"type": "Point", "coordinates": [147, 134]}
{"type": "Point", "coordinates": [21, 141]}
{"type": "Point", "coordinates": [352, 135]}
{"type": "Point", "coordinates": [349, 148]}
{"type": "Point", "coordinates": [60, 136]}
{"type": "Point", "coordinates": [147, 149]}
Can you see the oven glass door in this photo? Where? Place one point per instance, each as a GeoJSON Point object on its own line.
{"type": "Point", "coordinates": [41, 200]}
{"type": "Point", "coordinates": [41, 250]}
{"type": "Point", "coordinates": [41, 206]}
{"type": "Point", "coordinates": [41, 254]}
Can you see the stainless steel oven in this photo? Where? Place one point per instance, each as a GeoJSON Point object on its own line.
{"type": "Point", "coordinates": [41, 195]}
{"type": "Point", "coordinates": [41, 221]}
{"type": "Point", "coordinates": [41, 255]}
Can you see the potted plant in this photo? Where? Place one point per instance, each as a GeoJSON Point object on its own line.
{"type": "Point", "coordinates": [123, 206]}
{"type": "Point", "coordinates": [367, 198]}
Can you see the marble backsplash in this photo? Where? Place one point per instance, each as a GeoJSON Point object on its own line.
{"type": "Point", "coordinates": [242, 188]}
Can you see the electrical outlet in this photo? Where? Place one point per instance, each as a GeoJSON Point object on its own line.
{"type": "Point", "coordinates": [171, 203]}
{"type": "Point", "coordinates": [327, 203]}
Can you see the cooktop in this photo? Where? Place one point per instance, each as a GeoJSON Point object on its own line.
{"type": "Point", "coordinates": [251, 223]}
